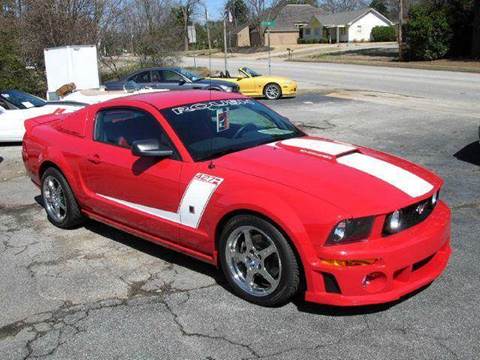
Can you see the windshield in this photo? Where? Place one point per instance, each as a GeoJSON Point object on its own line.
{"type": "Point", "coordinates": [189, 75]}
{"type": "Point", "coordinates": [250, 72]}
{"type": "Point", "coordinates": [215, 128]}
{"type": "Point", "coordinates": [21, 99]}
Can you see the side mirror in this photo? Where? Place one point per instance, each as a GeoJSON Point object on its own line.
{"type": "Point", "coordinates": [181, 82]}
{"type": "Point", "coordinates": [151, 148]}
{"type": "Point", "coordinates": [2, 109]}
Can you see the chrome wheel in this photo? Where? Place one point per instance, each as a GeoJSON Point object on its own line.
{"type": "Point", "coordinates": [253, 261]}
{"type": "Point", "coordinates": [54, 199]}
{"type": "Point", "coordinates": [272, 91]}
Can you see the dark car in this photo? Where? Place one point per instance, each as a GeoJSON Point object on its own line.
{"type": "Point", "coordinates": [171, 78]}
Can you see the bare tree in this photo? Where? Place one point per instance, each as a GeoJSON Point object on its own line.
{"type": "Point", "coordinates": [260, 10]}
{"type": "Point", "coordinates": [334, 6]}
{"type": "Point", "coordinates": [187, 8]}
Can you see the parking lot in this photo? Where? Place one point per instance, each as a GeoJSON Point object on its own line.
{"type": "Point", "coordinates": [99, 293]}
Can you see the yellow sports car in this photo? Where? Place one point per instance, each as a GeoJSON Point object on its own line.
{"type": "Point", "coordinates": [254, 84]}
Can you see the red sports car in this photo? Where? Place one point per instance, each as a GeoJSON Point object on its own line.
{"type": "Point", "coordinates": [225, 179]}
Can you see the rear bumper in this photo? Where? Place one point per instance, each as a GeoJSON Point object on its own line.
{"type": "Point", "coordinates": [405, 262]}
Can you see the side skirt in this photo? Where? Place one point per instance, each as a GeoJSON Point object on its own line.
{"type": "Point", "coordinates": [210, 259]}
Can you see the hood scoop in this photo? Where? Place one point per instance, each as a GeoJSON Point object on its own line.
{"type": "Point", "coordinates": [322, 148]}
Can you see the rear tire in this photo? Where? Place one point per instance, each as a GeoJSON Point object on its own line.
{"type": "Point", "coordinates": [59, 201]}
{"type": "Point", "coordinates": [258, 261]}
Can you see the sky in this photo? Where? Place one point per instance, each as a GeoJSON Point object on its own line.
{"type": "Point", "coordinates": [214, 8]}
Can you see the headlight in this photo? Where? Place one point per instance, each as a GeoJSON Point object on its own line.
{"type": "Point", "coordinates": [288, 82]}
{"type": "Point", "coordinates": [393, 223]}
{"type": "Point", "coordinates": [350, 230]}
{"type": "Point", "coordinates": [226, 88]}
{"type": "Point", "coordinates": [409, 216]}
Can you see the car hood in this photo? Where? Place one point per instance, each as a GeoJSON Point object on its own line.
{"type": "Point", "coordinates": [357, 180]}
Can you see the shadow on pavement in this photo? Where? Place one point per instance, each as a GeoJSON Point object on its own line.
{"type": "Point", "coordinates": [157, 251]}
{"type": "Point", "coordinates": [330, 310]}
{"type": "Point", "coordinates": [470, 153]}
{"type": "Point", "coordinates": [1, 159]}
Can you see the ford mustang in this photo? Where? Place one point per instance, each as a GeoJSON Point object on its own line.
{"type": "Point", "coordinates": [225, 179]}
{"type": "Point", "coordinates": [256, 85]}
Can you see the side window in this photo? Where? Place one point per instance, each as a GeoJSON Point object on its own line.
{"type": "Point", "coordinates": [171, 76]}
{"type": "Point", "coordinates": [4, 104]}
{"type": "Point", "coordinates": [143, 77]}
{"type": "Point", "coordinates": [156, 76]}
{"type": "Point", "coordinates": [121, 127]}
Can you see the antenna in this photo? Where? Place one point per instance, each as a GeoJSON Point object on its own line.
{"type": "Point", "coordinates": [211, 165]}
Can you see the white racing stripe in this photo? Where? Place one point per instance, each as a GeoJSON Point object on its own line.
{"type": "Point", "coordinates": [192, 206]}
{"type": "Point", "coordinates": [402, 179]}
{"type": "Point", "coordinates": [326, 147]}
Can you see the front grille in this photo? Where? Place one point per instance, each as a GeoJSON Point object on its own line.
{"type": "Point", "coordinates": [422, 263]}
{"type": "Point", "coordinates": [412, 215]}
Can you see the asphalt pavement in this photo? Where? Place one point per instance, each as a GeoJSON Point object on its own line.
{"type": "Point", "coordinates": [99, 293]}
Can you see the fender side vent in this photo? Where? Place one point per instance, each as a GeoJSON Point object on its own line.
{"type": "Point", "coordinates": [331, 284]}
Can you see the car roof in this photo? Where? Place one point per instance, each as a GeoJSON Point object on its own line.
{"type": "Point", "coordinates": [174, 68]}
{"type": "Point", "coordinates": [168, 99]}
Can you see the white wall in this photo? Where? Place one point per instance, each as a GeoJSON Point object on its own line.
{"type": "Point", "coordinates": [77, 64]}
{"type": "Point", "coordinates": [361, 29]}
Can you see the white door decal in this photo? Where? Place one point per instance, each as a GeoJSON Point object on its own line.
{"type": "Point", "coordinates": [192, 206]}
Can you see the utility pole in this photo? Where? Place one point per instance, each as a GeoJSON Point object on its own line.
{"type": "Point", "coordinates": [207, 27]}
{"type": "Point", "coordinates": [185, 28]}
{"type": "Point", "coordinates": [269, 53]}
{"type": "Point", "coordinates": [225, 42]}
{"type": "Point", "coordinates": [400, 30]}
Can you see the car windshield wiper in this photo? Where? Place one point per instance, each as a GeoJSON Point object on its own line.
{"type": "Point", "coordinates": [220, 153]}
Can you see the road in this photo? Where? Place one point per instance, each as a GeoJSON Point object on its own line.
{"type": "Point", "coordinates": [99, 293]}
{"type": "Point", "coordinates": [455, 90]}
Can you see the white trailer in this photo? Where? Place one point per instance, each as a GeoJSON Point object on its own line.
{"type": "Point", "coordinates": [71, 64]}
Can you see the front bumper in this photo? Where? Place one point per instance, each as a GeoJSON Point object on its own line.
{"type": "Point", "coordinates": [405, 262]}
{"type": "Point", "coordinates": [289, 90]}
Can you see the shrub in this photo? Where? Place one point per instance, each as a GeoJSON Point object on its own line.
{"type": "Point", "coordinates": [322, 40]}
{"type": "Point", "coordinates": [14, 71]}
{"type": "Point", "coordinates": [427, 34]}
{"type": "Point", "coordinates": [383, 33]}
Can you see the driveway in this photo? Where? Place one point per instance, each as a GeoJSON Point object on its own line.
{"type": "Point", "coordinates": [99, 293]}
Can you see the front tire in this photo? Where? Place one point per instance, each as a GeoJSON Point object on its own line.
{"type": "Point", "coordinates": [272, 91]}
{"type": "Point", "coordinates": [58, 200]}
{"type": "Point", "coordinates": [258, 261]}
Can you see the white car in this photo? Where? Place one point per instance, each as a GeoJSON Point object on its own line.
{"type": "Point", "coordinates": [18, 106]}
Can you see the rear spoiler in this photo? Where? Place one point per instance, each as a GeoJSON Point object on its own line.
{"type": "Point", "coordinates": [39, 120]}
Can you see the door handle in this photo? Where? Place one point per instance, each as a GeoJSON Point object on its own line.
{"type": "Point", "coordinates": [95, 159]}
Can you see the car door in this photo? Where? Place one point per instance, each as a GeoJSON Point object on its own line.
{"type": "Point", "coordinates": [142, 78]}
{"type": "Point", "coordinates": [173, 80]}
{"type": "Point", "coordinates": [246, 83]}
{"type": "Point", "coordinates": [140, 192]}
